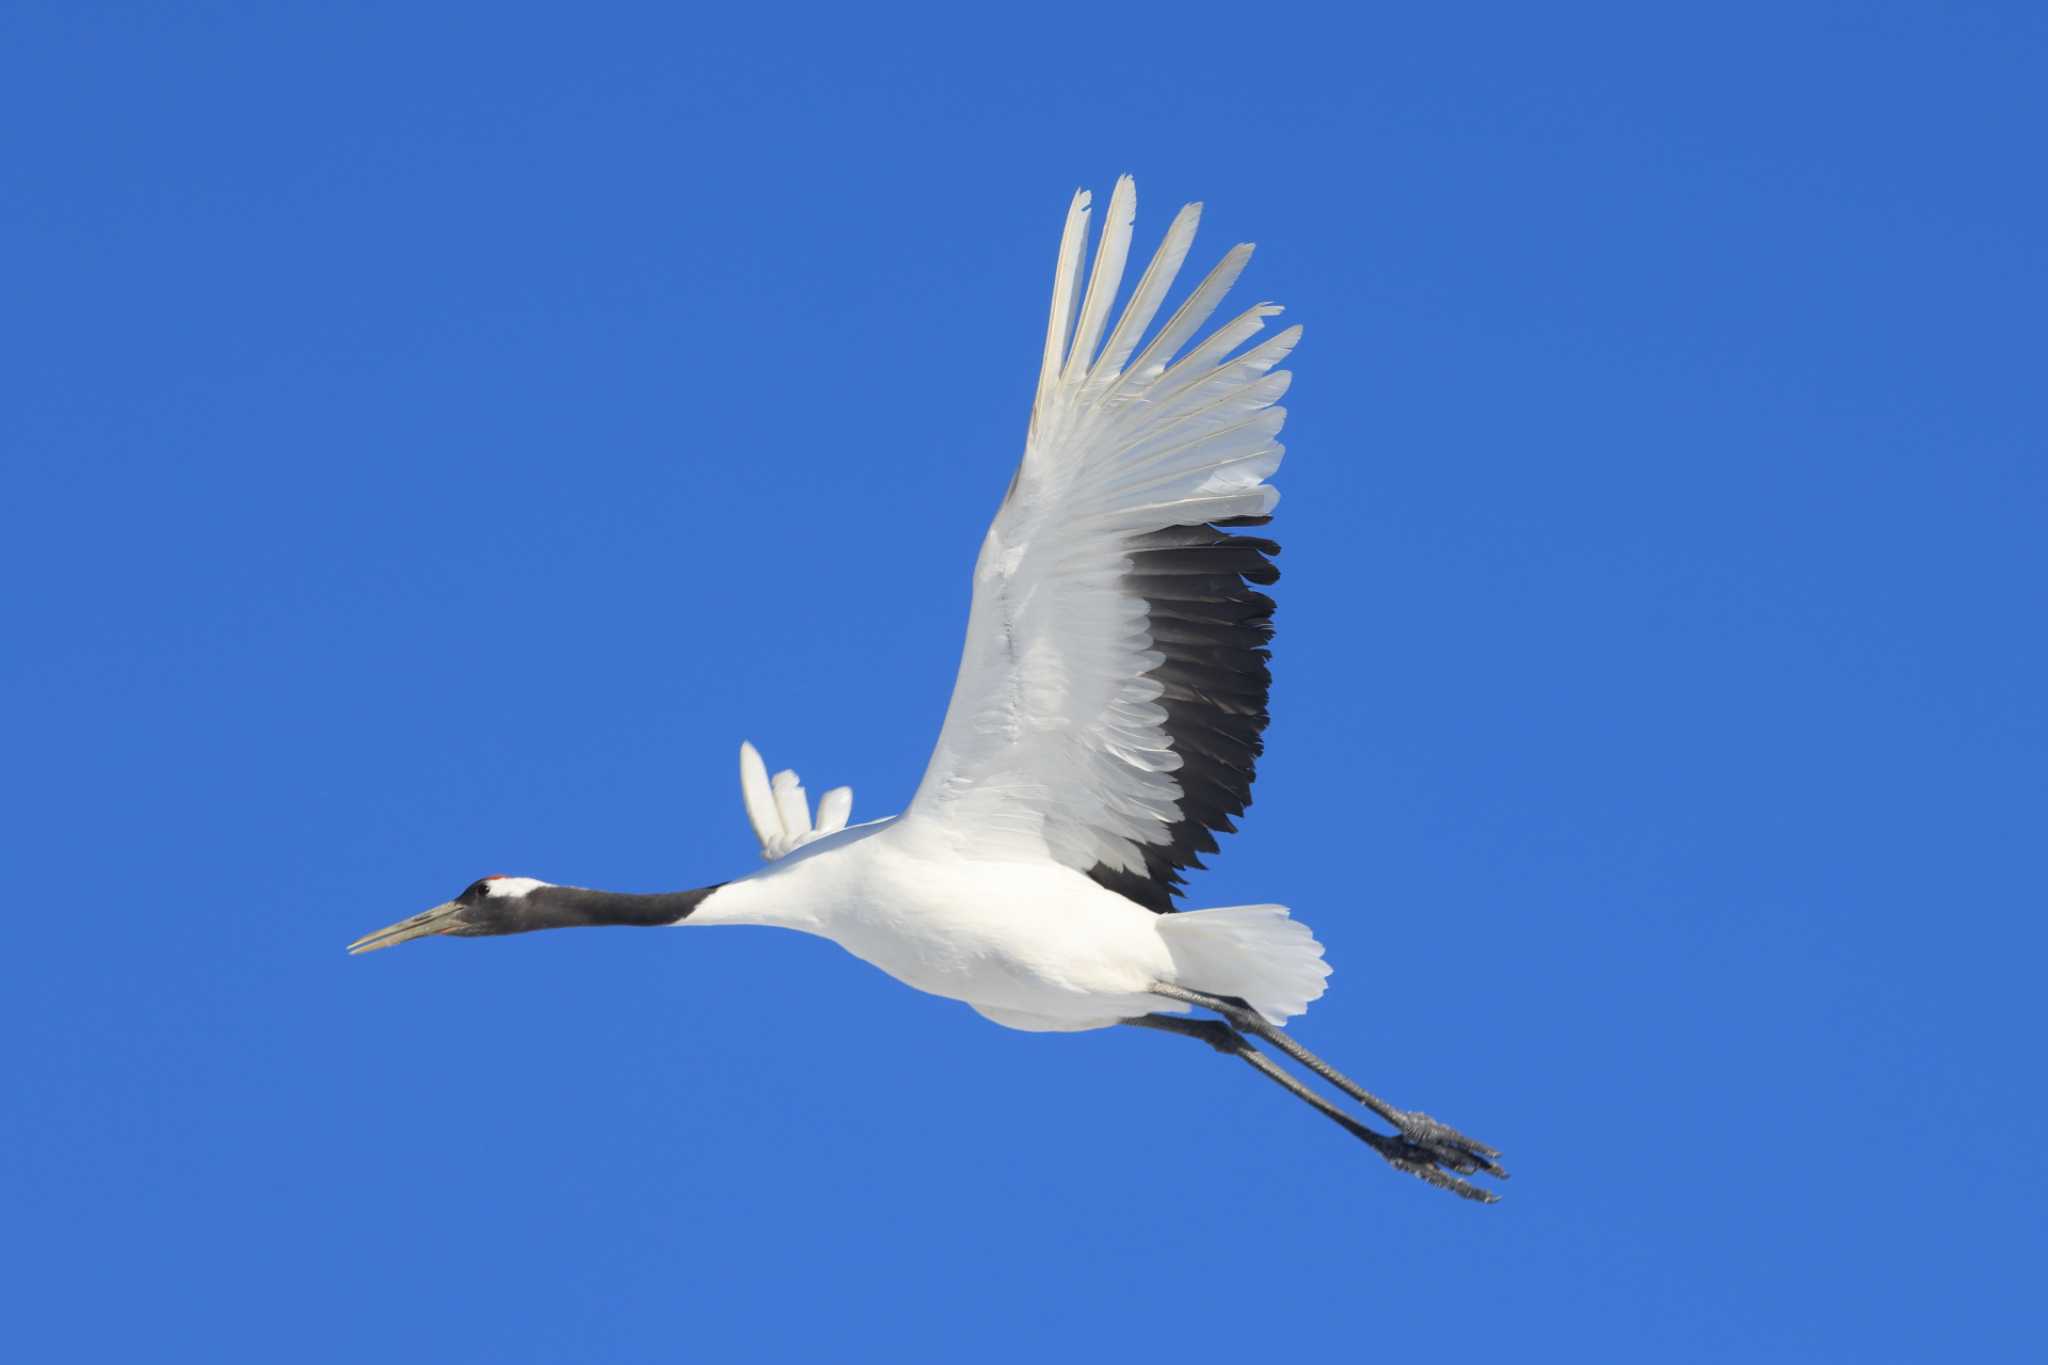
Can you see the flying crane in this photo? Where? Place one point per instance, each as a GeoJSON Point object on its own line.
{"type": "Point", "coordinates": [1104, 727]}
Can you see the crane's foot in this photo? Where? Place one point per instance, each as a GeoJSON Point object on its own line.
{"type": "Point", "coordinates": [1439, 1154]}
{"type": "Point", "coordinates": [1467, 1156]}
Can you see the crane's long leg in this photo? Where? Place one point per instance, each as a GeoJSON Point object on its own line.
{"type": "Point", "coordinates": [1460, 1153]}
{"type": "Point", "coordinates": [1400, 1153]}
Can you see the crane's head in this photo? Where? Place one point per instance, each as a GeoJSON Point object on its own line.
{"type": "Point", "coordinates": [490, 905]}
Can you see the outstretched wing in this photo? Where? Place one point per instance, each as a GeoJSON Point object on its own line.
{"type": "Point", "coordinates": [779, 810]}
{"type": "Point", "coordinates": [1112, 693]}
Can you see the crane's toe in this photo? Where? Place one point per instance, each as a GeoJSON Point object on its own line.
{"type": "Point", "coordinates": [1458, 1151]}
{"type": "Point", "coordinates": [1440, 1154]}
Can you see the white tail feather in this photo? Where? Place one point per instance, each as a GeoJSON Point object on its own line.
{"type": "Point", "coordinates": [1256, 952]}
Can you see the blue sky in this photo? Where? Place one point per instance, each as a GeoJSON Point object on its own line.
{"type": "Point", "coordinates": [437, 435]}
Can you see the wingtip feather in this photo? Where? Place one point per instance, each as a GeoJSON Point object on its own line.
{"type": "Point", "coordinates": [1112, 249]}
{"type": "Point", "coordinates": [757, 795]}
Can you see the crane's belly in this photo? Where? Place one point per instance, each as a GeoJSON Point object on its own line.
{"type": "Point", "coordinates": [1030, 945]}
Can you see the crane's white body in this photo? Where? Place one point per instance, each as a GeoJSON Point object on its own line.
{"type": "Point", "coordinates": [1028, 943]}
{"type": "Point", "coordinates": [1058, 766]}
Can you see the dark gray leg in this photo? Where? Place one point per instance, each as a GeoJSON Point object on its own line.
{"type": "Point", "coordinates": [1399, 1153]}
{"type": "Point", "coordinates": [1427, 1139]}
{"type": "Point", "coordinates": [1230, 1042]}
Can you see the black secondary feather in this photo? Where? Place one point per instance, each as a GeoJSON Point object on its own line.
{"type": "Point", "coordinates": [1214, 628]}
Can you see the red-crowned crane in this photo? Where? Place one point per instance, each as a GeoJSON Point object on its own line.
{"type": "Point", "coordinates": [1104, 726]}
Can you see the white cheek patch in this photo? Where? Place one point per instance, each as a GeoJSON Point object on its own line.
{"type": "Point", "coordinates": [511, 886]}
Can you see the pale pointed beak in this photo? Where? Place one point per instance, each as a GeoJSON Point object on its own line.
{"type": "Point", "coordinates": [438, 920]}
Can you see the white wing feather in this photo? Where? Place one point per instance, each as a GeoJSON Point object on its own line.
{"type": "Point", "coordinates": [833, 809]}
{"type": "Point", "coordinates": [779, 809]}
{"type": "Point", "coordinates": [1054, 742]}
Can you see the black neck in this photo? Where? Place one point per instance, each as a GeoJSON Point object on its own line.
{"type": "Point", "coordinates": [567, 907]}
